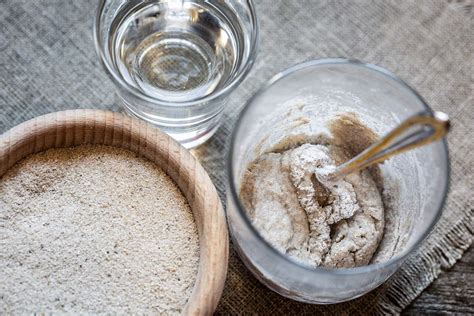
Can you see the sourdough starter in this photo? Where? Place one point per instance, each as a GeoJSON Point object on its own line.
{"type": "Point", "coordinates": [278, 191]}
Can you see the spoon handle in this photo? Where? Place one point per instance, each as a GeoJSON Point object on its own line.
{"type": "Point", "coordinates": [418, 130]}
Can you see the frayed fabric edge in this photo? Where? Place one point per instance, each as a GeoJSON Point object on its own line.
{"type": "Point", "coordinates": [422, 269]}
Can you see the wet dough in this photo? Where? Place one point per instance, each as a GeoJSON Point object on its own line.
{"type": "Point", "coordinates": [279, 194]}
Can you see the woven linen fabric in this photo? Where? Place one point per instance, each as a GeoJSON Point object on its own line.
{"type": "Point", "coordinates": [48, 63]}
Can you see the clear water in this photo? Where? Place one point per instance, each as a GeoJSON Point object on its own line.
{"type": "Point", "coordinates": [174, 51]}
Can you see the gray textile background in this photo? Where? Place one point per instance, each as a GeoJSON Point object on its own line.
{"type": "Point", "coordinates": [48, 63]}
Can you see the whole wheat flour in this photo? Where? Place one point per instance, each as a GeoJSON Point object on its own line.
{"type": "Point", "coordinates": [280, 195]}
{"type": "Point", "coordinates": [94, 229]}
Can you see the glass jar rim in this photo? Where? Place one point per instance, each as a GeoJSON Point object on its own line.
{"type": "Point", "coordinates": [240, 76]}
{"type": "Point", "coordinates": [240, 208]}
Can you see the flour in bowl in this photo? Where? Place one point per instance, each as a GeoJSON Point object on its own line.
{"type": "Point", "coordinates": [94, 229]}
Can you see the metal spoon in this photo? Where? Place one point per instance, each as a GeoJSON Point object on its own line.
{"type": "Point", "coordinates": [418, 130]}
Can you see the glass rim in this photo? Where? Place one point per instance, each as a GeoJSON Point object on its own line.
{"type": "Point", "coordinates": [241, 209]}
{"type": "Point", "coordinates": [121, 84]}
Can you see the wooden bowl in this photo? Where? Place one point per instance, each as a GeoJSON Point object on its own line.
{"type": "Point", "coordinates": [76, 127]}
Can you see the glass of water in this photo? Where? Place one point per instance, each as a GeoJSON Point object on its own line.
{"type": "Point", "coordinates": [175, 62]}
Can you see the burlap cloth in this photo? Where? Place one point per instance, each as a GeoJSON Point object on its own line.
{"type": "Point", "coordinates": [48, 63]}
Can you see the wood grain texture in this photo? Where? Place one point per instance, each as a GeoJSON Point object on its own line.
{"type": "Point", "coordinates": [451, 293]}
{"type": "Point", "coordinates": [76, 127]}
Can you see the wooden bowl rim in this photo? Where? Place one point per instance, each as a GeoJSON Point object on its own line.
{"type": "Point", "coordinates": [75, 127]}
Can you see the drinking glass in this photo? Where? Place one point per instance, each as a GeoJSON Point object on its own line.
{"type": "Point", "coordinates": [175, 62]}
{"type": "Point", "coordinates": [422, 174]}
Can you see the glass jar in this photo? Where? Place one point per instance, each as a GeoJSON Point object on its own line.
{"type": "Point", "coordinates": [344, 85]}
